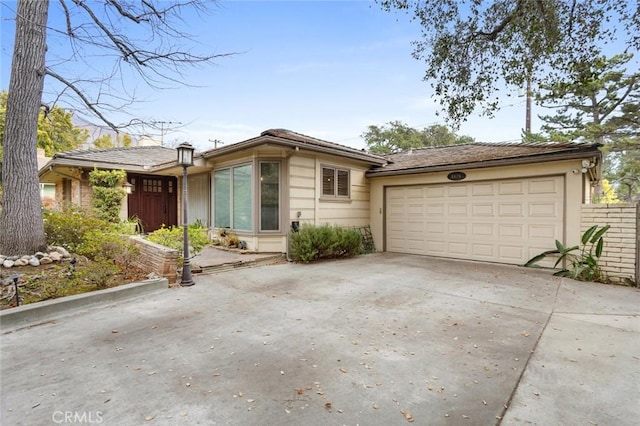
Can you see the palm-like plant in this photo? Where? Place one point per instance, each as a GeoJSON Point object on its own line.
{"type": "Point", "coordinates": [583, 265]}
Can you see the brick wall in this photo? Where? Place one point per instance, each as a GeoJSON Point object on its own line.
{"type": "Point", "coordinates": [156, 258]}
{"type": "Point", "coordinates": [619, 259]}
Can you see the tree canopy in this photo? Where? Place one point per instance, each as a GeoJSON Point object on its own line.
{"type": "Point", "coordinates": [599, 101]}
{"type": "Point", "coordinates": [396, 136]}
{"type": "Point", "coordinates": [471, 48]}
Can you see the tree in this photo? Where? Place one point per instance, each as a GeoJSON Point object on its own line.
{"type": "Point", "coordinates": [22, 230]}
{"type": "Point", "coordinates": [142, 38]}
{"type": "Point", "coordinates": [56, 132]}
{"type": "Point", "coordinates": [397, 136]}
{"type": "Point", "coordinates": [599, 101]}
{"type": "Point", "coordinates": [105, 141]}
{"type": "Point", "coordinates": [471, 47]}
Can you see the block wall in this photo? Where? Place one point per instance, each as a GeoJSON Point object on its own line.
{"type": "Point", "coordinates": [619, 259]}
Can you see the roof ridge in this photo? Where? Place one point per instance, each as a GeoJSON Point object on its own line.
{"type": "Point", "coordinates": [274, 132]}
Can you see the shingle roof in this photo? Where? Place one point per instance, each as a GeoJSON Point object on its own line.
{"type": "Point", "coordinates": [135, 157]}
{"type": "Point", "coordinates": [474, 155]}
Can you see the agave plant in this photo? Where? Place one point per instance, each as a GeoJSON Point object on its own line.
{"type": "Point", "coordinates": [582, 262]}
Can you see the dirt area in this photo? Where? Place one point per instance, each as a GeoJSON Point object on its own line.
{"type": "Point", "coordinates": [38, 283]}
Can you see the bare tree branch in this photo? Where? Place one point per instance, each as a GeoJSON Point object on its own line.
{"type": "Point", "coordinates": [87, 102]}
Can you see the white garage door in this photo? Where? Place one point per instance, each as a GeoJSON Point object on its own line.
{"type": "Point", "coordinates": [506, 221]}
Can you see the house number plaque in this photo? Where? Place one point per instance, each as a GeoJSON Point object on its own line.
{"type": "Point", "coordinates": [456, 176]}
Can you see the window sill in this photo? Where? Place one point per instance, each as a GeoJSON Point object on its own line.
{"type": "Point", "coordinates": [334, 200]}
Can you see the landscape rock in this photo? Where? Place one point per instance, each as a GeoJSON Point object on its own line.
{"type": "Point", "coordinates": [61, 250]}
{"type": "Point", "coordinates": [55, 256]}
{"type": "Point", "coordinates": [8, 263]}
{"type": "Point", "coordinates": [46, 260]}
{"type": "Point", "coordinates": [21, 262]}
{"type": "Point", "coordinates": [34, 261]}
{"type": "Point", "coordinates": [39, 255]}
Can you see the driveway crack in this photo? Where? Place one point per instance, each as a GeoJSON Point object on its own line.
{"type": "Point", "coordinates": [531, 353]}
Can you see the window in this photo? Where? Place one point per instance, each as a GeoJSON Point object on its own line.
{"type": "Point", "coordinates": [335, 182]}
{"type": "Point", "coordinates": [233, 198]}
{"type": "Point", "coordinates": [269, 196]}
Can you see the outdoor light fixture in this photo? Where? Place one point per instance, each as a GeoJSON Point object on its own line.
{"type": "Point", "coordinates": [185, 159]}
{"type": "Point", "coordinates": [128, 188]}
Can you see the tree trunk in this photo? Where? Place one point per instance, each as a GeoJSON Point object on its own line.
{"type": "Point", "coordinates": [21, 226]}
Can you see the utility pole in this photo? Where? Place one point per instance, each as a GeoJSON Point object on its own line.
{"type": "Point", "coordinates": [216, 142]}
{"type": "Point", "coordinates": [162, 123]}
{"type": "Point", "coordinates": [527, 121]}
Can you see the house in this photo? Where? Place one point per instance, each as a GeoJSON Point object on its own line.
{"type": "Point", "coordinates": [489, 202]}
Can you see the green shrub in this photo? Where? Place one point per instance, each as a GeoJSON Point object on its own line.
{"type": "Point", "coordinates": [173, 237]}
{"type": "Point", "coordinates": [583, 265]}
{"type": "Point", "coordinates": [83, 233]}
{"type": "Point", "coordinates": [107, 192]}
{"type": "Point", "coordinates": [68, 228]}
{"type": "Point", "coordinates": [312, 243]}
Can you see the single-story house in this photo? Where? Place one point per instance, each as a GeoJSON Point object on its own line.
{"type": "Point", "coordinates": [480, 201]}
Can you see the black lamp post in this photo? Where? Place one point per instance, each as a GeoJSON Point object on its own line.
{"type": "Point", "coordinates": [185, 159]}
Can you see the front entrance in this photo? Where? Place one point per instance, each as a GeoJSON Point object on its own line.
{"type": "Point", "coordinates": [153, 201]}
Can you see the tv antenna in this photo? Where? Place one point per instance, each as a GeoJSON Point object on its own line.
{"type": "Point", "coordinates": [216, 142]}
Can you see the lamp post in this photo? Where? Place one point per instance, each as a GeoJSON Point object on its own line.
{"type": "Point", "coordinates": [185, 159]}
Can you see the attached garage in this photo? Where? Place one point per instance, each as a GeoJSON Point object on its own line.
{"type": "Point", "coordinates": [505, 221]}
{"type": "Point", "coordinates": [510, 203]}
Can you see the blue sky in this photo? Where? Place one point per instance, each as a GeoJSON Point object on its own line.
{"type": "Point", "coordinates": [323, 68]}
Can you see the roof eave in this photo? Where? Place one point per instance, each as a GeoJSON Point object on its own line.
{"type": "Point", "coordinates": [539, 158]}
{"type": "Point", "coordinates": [262, 140]}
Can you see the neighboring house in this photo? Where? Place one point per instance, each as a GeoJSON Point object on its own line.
{"type": "Point", "coordinates": [491, 202]}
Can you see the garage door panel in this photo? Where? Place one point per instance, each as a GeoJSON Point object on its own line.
{"type": "Point", "coordinates": [543, 209]}
{"type": "Point", "coordinates": [506, 221]}
{"type": "Point", "coordinates": [543, 186]}
{"type": "Point", "coordinates": [458, 190]}
{"type": "Point", "coordinates": [482, 209]}
{"type": "Point", "coordinates": [435, 209]}
{"type": "Point", "coordinates": [512, 209]}
{"type": "Point", "coordinates": [511, 188]}
{"type": "Point", "coordinates": [508, 230]}
{"type": "Point", "coordinates": [514, 253]}
{"type": "Point", "coordinates": [482, 229]}
{"type": "Point", "coordinates": [458, 248]}
{"type": "Point", "coordinates": [434, 192]}
{"type": "Point", "coordinates": [482, 189]}
{"type": "Point", "coordinates": [544, 231]}
{"type": "Point", "coordinates": [484, 251]}
{"type": "Point", "coordinates": [436, 227]}
{"type": "Point", "coordinates": [457, 209]}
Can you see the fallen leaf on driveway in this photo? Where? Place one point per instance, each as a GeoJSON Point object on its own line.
{"type": "Point", "coordinates": [344, 370]}
{"type": "Point", "coordinates": [407, 416]}
{"type": "Point", "coordinates": [148, 418]}
{"type": "Point", "coordinates": [327, 405]}
{"type": "Point", "coordinates": [526, 334]}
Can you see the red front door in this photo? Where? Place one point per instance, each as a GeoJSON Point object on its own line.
{"type": "Point", "coordinates": [153, 201]}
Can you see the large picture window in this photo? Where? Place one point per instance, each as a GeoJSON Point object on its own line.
{"type": "Point", "coordinates": [232, 198]}
{"type": "Point", "coordinates": [269, 196]}
{"type": "Point", "coordinates": [335, 182]}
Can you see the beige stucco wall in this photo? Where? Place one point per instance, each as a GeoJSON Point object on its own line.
{"type": "Point", "coordinates": [574, 191]}
{"type": "Point", "coordinates": [619, 255]}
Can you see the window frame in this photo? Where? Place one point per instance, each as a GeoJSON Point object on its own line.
{"type": "Point", "coordinates": [279, 196]}
{"type": "Point", "coordinates": [336, 184]}
{"type": "Point", "coordinates": [232, 194]}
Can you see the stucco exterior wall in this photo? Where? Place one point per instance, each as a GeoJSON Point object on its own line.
{"type": "Point", "coordinates": [619, 259]}
{"type": "Point", "coordinates": [573, 191]}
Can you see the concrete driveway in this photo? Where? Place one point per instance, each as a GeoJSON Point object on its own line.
{"type": "Point", "coordinates": [381, 339]}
